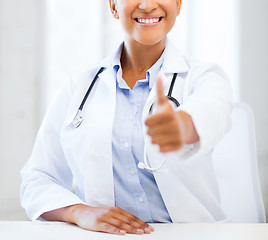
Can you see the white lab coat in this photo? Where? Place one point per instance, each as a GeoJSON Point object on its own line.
{"type": "Point", "coordinates": [61, 153]}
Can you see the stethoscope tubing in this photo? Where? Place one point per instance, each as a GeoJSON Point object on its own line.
{"type": "Point", "coordinates": [79, 118]}
{"type": "Point", "coordinates": [90, 88]}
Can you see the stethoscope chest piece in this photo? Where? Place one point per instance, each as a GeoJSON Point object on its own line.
{"type": "Point", "coordinates": [78, 119]}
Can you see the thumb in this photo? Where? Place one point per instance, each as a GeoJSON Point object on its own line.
{"type": "Point", "coordinates": [161, 99]}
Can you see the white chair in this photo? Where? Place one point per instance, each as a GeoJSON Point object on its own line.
{"type": "Point", "coordinates": [235, 162]}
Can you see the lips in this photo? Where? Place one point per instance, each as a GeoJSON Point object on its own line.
{"type": "Point", "coordinates": [148, 20]}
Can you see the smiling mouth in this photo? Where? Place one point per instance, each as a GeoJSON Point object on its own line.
{"type": "Point", "coordinates": [148, 20]}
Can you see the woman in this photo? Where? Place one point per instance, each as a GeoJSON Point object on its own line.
{"type": "Point", "coordinates": [102, 152]}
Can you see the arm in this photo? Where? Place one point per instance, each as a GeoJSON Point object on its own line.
{"type": "Point", "coordinates": [112, 220]}
{"type": "Point", "coordinates": [203, 118]}
{"type": "Point", "coordinates": [46, 189]}
{"type": "Point", "coordinates": [47, 178]}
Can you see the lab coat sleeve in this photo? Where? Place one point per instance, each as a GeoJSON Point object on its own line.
{"type": "Point", "coordinates": [208, 100]}
{"type": "Point", "coordinates": [47, 178]}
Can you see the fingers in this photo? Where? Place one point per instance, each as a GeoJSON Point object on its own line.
{"type": "Point", "coordinates": [125, 221]}
{"type": "Point", "coordinates": [166, 130]}
{"type": "Point", "coordinates": [164, 127]}
{"type": "Point", "coordinates": [108, 228]}
{"type": "Point", "coordinates": [160, 118]}
{"type": "Point", "coordinates": [162, 131]}
{"type": "Point", "coordinates": [168, 138]}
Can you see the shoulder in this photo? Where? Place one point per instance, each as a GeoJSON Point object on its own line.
{"type": "Point", "coordinates": [87, 75]}
{"type": "Point", "coordinates": [198, 68]}
{"type": "Point", "coordinates": [177, 62]}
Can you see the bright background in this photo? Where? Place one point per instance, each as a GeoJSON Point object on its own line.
{"type": "Point", "coordinates": [43, 41]}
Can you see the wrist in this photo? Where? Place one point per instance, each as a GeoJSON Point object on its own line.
{"type": "Point", "coordinates": [187, 127]}
{"type": "Point", "coordinates": [73, 212]}
{"type": "Point", "coordinates": [78, 212]}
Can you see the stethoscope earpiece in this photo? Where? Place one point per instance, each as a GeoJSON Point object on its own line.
{"type": "Point", "coordinates": [141, 165]}
{"type": "Point", "coordinates": [145, 164]}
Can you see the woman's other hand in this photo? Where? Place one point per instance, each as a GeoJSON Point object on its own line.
{"type": "Point", "coordinates": [113, 220]}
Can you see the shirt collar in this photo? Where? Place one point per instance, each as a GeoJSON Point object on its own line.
{"type": "Point", "coordinates": [116, 58]}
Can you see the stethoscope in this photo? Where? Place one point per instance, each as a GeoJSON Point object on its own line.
{"type": "Point", "coordinates": [78, 119]}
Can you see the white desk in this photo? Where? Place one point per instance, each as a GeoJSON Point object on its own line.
{"type": "Point", "coordinates": [62, 231]}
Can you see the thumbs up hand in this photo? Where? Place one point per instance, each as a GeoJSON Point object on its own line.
{"type": "Point", "coordinates": [162, 101]}
{"type": "Point", "coordinates": [165, 127]}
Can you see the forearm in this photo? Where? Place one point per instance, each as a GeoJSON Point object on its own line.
{"type": "Point", "coordinates": [66, 214]}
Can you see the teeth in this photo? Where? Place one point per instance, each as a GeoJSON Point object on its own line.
{"type": "Point", "coordinates": [148, 21]}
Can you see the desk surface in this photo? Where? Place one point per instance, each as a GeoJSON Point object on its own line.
{"type": "Point", "coordinates": [63, 231]}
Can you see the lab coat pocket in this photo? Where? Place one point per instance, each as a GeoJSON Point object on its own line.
{"type": "Point", "coordinates": [88, 149]}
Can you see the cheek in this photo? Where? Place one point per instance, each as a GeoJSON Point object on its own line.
{"type": "Point", "coordinates": [125, 14]}
{"type": "Point", "coordinates": [172, 15]}
{"type": "Point", "coordinates": [126, 24]}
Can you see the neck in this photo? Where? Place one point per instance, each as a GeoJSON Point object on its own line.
{"type": "Point", "coordinates": [139, 58]}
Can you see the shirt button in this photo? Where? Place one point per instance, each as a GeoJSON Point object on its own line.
{"type": "Point", "coordinates": [141, 200]}
{"type": "Point", "coordinates": [132, 172]}
{"type": "Point", "coordinates": [126, 145]}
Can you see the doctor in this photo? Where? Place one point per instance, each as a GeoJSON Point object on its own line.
{"type": "Point", "coordinates": [101, 153]}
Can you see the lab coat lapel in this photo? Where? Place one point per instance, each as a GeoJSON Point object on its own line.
{"type": "Point", "coordinates": [174, 61]}
{"type": "Point", "coordinates": [107, 95]}
{"type": "Point", "coordinates": [107, 77]}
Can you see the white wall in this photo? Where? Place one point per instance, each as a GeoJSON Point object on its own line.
{"type": "Point", "coordinates": [254, 76]}
{"type": "Point", "coordinates": [20, 26]}
{"type": "Point", "coordinates": [73, 41]}
{"type": "Point", "coordinates": [254, 66]}
{"type": "Point", "coordinates": [214, 35]}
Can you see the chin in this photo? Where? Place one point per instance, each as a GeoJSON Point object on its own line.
{"type": "Point", "coordinates": [150, 40]}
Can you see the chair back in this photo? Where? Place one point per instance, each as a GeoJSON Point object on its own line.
{"type": "Point", "coordinates": [235, 162]}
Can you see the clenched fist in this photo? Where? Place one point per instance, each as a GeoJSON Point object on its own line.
{"type": "Point", "coordinates": [168, 128]}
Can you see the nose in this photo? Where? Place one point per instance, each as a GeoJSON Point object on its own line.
{"type": "Point", "coordinates": [148, 5]}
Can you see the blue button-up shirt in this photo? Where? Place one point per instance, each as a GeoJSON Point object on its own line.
{"type": "Point", "coordinates": [135, 190]}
